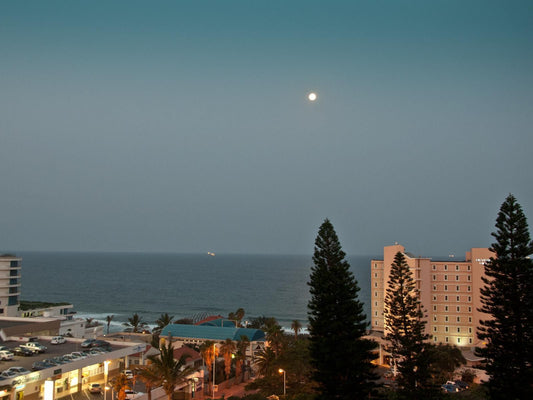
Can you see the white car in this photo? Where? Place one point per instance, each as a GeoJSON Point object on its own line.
{"type": "Point", "coordinates": [6, 355]}
{"type": "Point", "coordinates": [58, 340]}
{"type": "Point", "coordinates": [132, 394]}
{"type": "Point", "coordinates": [128, 373]}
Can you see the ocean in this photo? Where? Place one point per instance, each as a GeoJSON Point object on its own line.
{"type": "Point", "coordinates": [182, 285]}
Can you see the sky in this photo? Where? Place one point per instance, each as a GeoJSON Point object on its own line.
{"type": "Point", "coordinates": [184, 126]}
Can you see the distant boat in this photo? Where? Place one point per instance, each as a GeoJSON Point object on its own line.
{"type": "Point", "coordinates": [209, 253]}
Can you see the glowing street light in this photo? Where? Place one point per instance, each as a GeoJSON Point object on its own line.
{"type": "Point", "coordinates": [282, 371]}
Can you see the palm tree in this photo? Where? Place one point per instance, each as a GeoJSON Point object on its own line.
{"type": "Point", "coordinates": [227, 349]}
{"type": "Point", "coordinates": [163, 321]}
{"type": "Point", "coordinates": [108, 319]}
{"type": "Point", "coordinates": [237, 316]}
{"type": "Point", "coordinates": [265, 361]}
{"type": "Point", "coordinates": [296, 326]}
{"type": "Point", "coordinates": [240, 357]}
{"type": "Point", "coordinates": [209, 351]}
{"type": "Point", "coordinates": [170, 371]}
{"type": "Point", "coordinates": [148, 375]}
{"type": "Point", "coordinates": [120, 385]}
{"type": "Point", "coordinates": [135, 322]}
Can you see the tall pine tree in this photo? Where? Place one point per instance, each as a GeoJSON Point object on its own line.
{"type": "Point", "coordinates": [404, 326]}
{"type": "Point", "coordinates": [340, 355]}
{"type": "Point", "coordinates": [507, 298]}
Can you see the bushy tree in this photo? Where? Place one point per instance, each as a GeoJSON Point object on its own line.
{"type": "Point", "coordinates": [341, 357]}
{"type": "Point", "coordinates": [404, 327]}
{"type": "Point", "coordinates": [507, 298]}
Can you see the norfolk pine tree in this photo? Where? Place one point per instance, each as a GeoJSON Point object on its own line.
{"type": "Point", "coordinates": [404, 326]}
{"type": "Point", "coordinates": [340, 356]}
{"type": "Point", "coordinates": [507, 298]}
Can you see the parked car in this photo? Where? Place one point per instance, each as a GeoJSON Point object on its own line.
{"type": "Point", "coordinates": [99, 343]}
{"type": "Point", "coordinates": [18, 370]}
{"type": "Point", "coordinates": [8, 374]}
{"type": "Point", "coordinates": [78, 355]}
{"type": "Point", "coordinates": [128, 373]}
{"type": "Point", "coordinates": [94, 388]}
{"type": "Point", "coordinates": [22, 351]}
{"type": "Point", "coordinates": [449, 388]}
{"type": "Point", "coordinates": [3, 348]}
{"type": "Point", "coordinates": [36, 347]}
{"type": "Point", "coordinates": [58, 340]}
{"type": "Point", "coordinates": [39, 365]}
{"type": "Point", "coordinates": [87, 343]}
{"type": "Point", "coordinates": [132, 394]}
{"type": "Point", "coordinates": [462, 385]}
{"type": "Point", "coordinates": [6, 355]}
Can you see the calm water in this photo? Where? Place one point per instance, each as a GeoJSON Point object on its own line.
{"type": "Point", "coordinates": [120, 284]}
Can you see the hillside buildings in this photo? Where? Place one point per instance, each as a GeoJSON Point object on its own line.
{"type": "Point", "coordinates": [449, 293]}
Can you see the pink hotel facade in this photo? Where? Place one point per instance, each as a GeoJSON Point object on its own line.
{"type": "Point", "coordinates": [449, 293]}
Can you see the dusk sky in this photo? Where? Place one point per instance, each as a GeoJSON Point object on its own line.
{"type": "Point", "coordinates": [184, 126]}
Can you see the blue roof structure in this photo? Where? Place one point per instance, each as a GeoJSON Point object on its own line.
{"type": "Point", "coordinates": [212, 332]}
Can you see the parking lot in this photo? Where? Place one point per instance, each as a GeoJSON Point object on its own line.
{"type": "Point", "coordinates": [53, 350]}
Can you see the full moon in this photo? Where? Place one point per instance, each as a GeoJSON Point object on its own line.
{"type": "Point", "coordinates": [312, 96]}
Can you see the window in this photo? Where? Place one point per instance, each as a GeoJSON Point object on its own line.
{"type": "Point", "coordinates": [376, 303]}
{"type": "Point", "coordinates": [468, 267]}
{"type": "Point", "coordinates": [434, 277]}
{"type": "Point", "coordinates": [375, 265]}
{"type": "Point", "coordinates": [446, 287]}
{"type": "Point", "coordinates": [446, 340]}
{"type": "Point", "coordinates": [375, 274]}
{"type": "Point", "coordinates": [468, 288]}
{"type": "Point", "coordinates": [457, 268]}
{"type": "Point", "coordinates": [445, 267]}
{"type": "Point", "coordinates": [458, 308]}
{"type": "Point", "coordinates": [468, 277]}
{"type": "Point", "coordinates": [435, 318]}
{"type": "Point", "coordinates": [434, 267]}
{"type": "Point", "coordinates": [470, 340]}
{"type": "Point", "coordinates": [375, 294]}
{"type": "Point", "coordinates": [458, 340]}
{"type": "Point", "coordinates": [457, 288]}
{"type": "Point", "coordinates": [469, 309]}
{"type": "Point", "coordinates": [458, 330]}
{"type": "Point", "coordinates": [434, 298]}
{"type": "Point", "coordinates": [456, 277]}
{"type": "Point", "coordinates": [469, 298]}
{"type": "Point", "coordinates": [435, 287]}
{"type": "Point", "coordinates": [446, 318]}
{"type": "Point", "coordinates": [434, 308]}
{"type": "Point", "coordinates": [445, 298]}
{"type": "Point", "coordinates": [458, 319]}
{"type": "Point", "coordinates": [434, 338]}
{"type": "Point", "coordinates": [458, 298]}
{"type": "Point", "coordinates": [445, 308]}
{"type": "Point", "coordinates": [376, 313]}
{"type": "Point", "coordinates": [375, 284]}
{"type": "Point", "coordinates": [434, 329]}
{"type": "Point", "coordinates": [445, 277]}
{"type": "Point", "coordinates": [446, 329]}
{"type": "Point", "coordinates": [469, 330]}
{"type": "Point", "coordinates": [469, 319]}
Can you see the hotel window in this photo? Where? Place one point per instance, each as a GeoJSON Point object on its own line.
{"type": "Point", "coordinates": [375, 284]}
{"type": "Point", "coordinates": [457, 268]}
{"type": "Point", "coordinates": [375, 294]}
{"type": "Point", "coordinates": [376, 303]}
{"type": "Point", "coordinates": [446, 340]}
{"type": "Point", "coordinates": [468, 278]}
{"type": "Point", "coordinates": [375, 265]}
{"type": "Point", "coordinates": [434, 267]}
{"type": "Point", "coordinates": [434, 277]}
{"type": "Point", "coordinates": [434, 308]}
{"type": "Point", "coordinates": [456, 277]}
{"type": "Point", "coordinates": [445, 298]}
{"type": "Point", "coordinates": [375, 274]}
{"type": "Point", "coordinates": [434, 298]}
{"type": "Point", "coordinates": [468, 288]}
{"type": "Point", "coordinates": [468, 268]}
{"type": "Point", "coordinates": [470, 340]}
{"type": "Point", "coordinates": [458, 308]}
{"type": "Point", "coordinates": [446, 318]}
{"type": "Point", "coordinates": [469, 309]}
{"type": "Point", "coordinates": [445, 268]}
{"type": "Point", "coordinates": [469, 298]}
{"type": "Point", "coordinates": [458, 298]}
{"type": "Point", "coordinates": [469, 330]}
{"type": "Point", "coordinates": [457, 288]}
{"type": "Point", "coordinates": [434, 329]}
{"type": "Point", "coordinates": [434, 338]}
{"type": "Point", "coordinates": [435, 318]}
{"type": "Point", "coordinates": [469, 319]}
{"type": "Point", "coordinates": [376, 313]}
{"type": "Point", "coordinates": [445, 277]}
{"type": "Point", "coordinates": [446, 329]}
{"type": "Point", "coordinates": [458, 340]}
{"type": "Point", "coordinates": [445, 308]}
{"type": "Point", "coordinates": [458, 319]}
{"type": "Point", "coordinates": [446, 287]}
{"type": "Point", "coordinates": [435, 287]}
{"type": "Point", "coordinates": [458, 330]}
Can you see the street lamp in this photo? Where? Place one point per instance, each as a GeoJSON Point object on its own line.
{"type": "Point", "coordinates": [282, 371]}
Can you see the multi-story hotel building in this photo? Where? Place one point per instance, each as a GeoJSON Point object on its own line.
{"type": "Point", "coordinates": [449, 293]}
{"type": "Point", "coordinates": [9, 285]}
